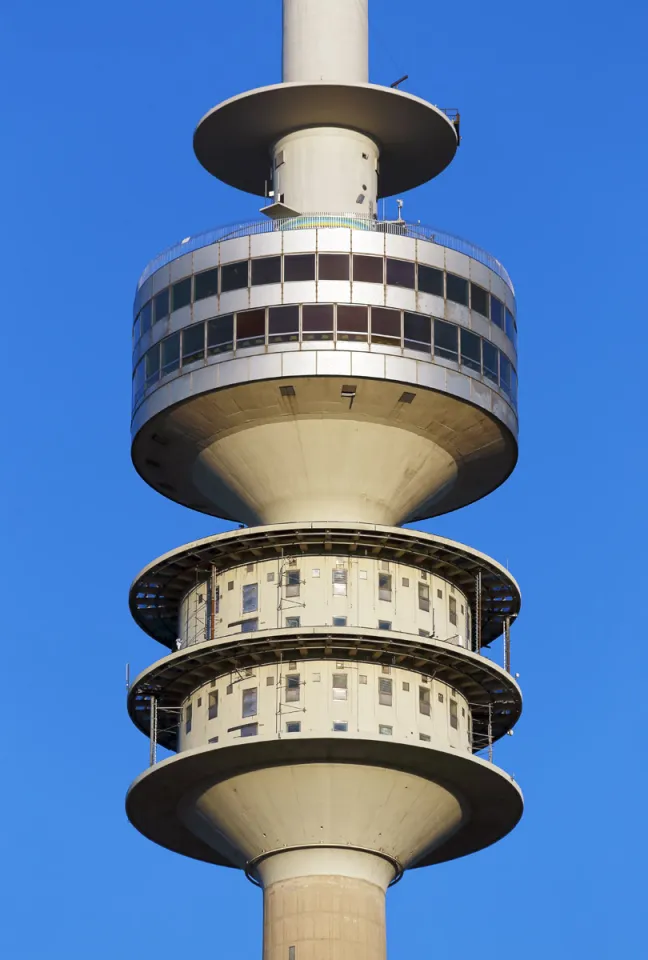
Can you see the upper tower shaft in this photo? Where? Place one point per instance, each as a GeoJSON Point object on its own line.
{"type": "Point", "coordinates": [326, 40]}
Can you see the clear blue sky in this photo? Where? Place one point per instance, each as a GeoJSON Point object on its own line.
{"type": "Point", "coordinates": [98, 106]}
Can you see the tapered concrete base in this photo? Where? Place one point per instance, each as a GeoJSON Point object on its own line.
{"type": "Point", "coordinates": [326, 904]}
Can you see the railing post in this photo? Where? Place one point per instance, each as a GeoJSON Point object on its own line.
{"type": "Point", "coordinates": [507, 644]}
{"type": "Point", "coordinates": [478, 612]}
{"type": "Point", "coordinates": [490, 732]}
{"type": "Point", "coordinates": [153, 732]}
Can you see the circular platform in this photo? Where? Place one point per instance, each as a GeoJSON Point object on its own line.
{"type": "Point", "coordinates": [490, 800]}
{"type": "Point", "coordinates": [417, 141]}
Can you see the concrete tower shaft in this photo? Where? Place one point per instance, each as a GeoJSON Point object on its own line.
{"type": "Point", "coordinates": [325, 41]}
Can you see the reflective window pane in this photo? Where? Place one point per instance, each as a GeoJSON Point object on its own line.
{"type": "Point", "coordinates": [418, 332]}
{"type": "Point", "coordinates": [514, 385]}
{"type": "Point", "coordinates": [234, 276]}
{"type": "Point", "coordinates": [146, 316]}
{"type": "Point", "coordinates": [334, 266]}
{"type": "Point", "coordinates": [138, 382]}
{"type": "Point", "coordinates": [161, 305]}
{"type": "Point", "coordinates": [249, 702]}
{"type": "Point", "coordinates": [430, 280]}
{"type": "Point", "coordinates": [250, 597]}
{"type": "Point", "coordinates": [352, 322]}
{"type": "Point", "coordinates": [206, 284]}
{"type": "Point", "coordinates": [137, 329]}
{"type": "Point", "coordinates": [220, 334]}
{"type": "Point", "coordinates": [446, 340]}
{"type": "Point", "coordinates": [471, 350]}
{"type": "Point", "coordinates": [317, 321]}
{"type": "Point", "coordinates": [250, 328]}
{"type": "Point", "coordinates": [385, 326]}
{"type": "Point", "coordinates": [170, 354]}
{"type": "Point", "coordinates": [400, 273]}
{"type": "Point", "coordinates": [479, 299]}
{"type": "Point", "coordinates": [457, 289]}
{"type": "Point", "coordinates": [299, 266]}
{"type": "Point", "coordinates": [510, 326]}
{"type": "Point", "coordinates": [193, 343]}
{"type": "Point", "coordinates": [283, 323]}
{"type": "Point", "coordinates": [152, 359]}
{"type": "Point", "coordinates": [497, 312]}
{"type": "Point", "coordinates": [491, 361]}
{"type": "Point", "coordinates": [266, 270]}
{"type": "Point", "coordinates": [181, 294]}
{"type": "Point", "coordinates": [505, 373]}
{"type": "Point", "coordinates": [367, 269]}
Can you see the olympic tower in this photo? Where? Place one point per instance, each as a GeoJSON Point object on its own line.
{"type": "Point", "coordinates": [323, 376]}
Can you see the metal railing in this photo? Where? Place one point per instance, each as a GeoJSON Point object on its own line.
{"type": "Point", "coordinates": [320, 221]}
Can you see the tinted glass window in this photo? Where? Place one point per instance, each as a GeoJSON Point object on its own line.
{"type": "Point", "coordinates": [146, 316]}
{"type": "Point", "coordinates": [430, 280]}
{"type": "Point", "coordinates": [400, 273]}
{"type": "Point", "coordinates": [250, 597]}
{"type": "Point", "coordinates": [234, 276]}
{"type": "Point", "coordinates": [266, 270]}
{"type": "Point", "coordinates": [161, 305]}
{"type": "Point", "coordinates": [497, 312]}
{"type": "Point", "coordinates": [367, 269]}
{"type": "Point", "coordinates": [250, 328]}
{"type": "Point", "coordinates": [193, 343]}
{"type": "Point", "coordinates": [152, 359]}
{"type": "Point", "coordinates": [479, 299]}
{"type": "Point", "coordinates": [385, 325]}
{"type": "Point", "coordinates": [170, 354]}
{"type": "Point", "coordinates": [220, 334]}
{"type": "Point", "coordinates": [299, 266]}
{"type": "Point", "coordinates": [471, 350]}
{"type": "Point", "coordinates": [334, 266]}
{"type": "Point", "coordinates": [490, 361]}
{"type": "Point", "coordinates": [510, 326]}
{"type": "Point", "coordinates": [352, 322]}
{"type": "Point", "coordinates": [317, 321]}
{"type": "Point", "coordinates": [457, 289]}
{"type": "Point", "coordinates": [181, 294]}
{"type": "Point", "coordinates": [514, 385]}
{"type": "Point", "coordinates": [446, 340]}
{"type": "Point", "coordinates": [206, 284]}
{"type": "Point", "coordinates": [417, 332]}
{"type": "Point", "coordinates": [138, 382]}
{"type": "Point", "coordinates": [137, 329]}
{"type": "Point", "coordinates": [505, 373]}
{"type": "Point", "coordinates": [283, 323]}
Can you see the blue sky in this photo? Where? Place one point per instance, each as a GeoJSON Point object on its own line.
{"type": "Point", "coordinates": [99, 105]}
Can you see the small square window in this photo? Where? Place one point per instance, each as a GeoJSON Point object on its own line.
{"type": "Point", "coordinates": [340, 689]}
{"type": "Point", "coordinates": [424, 701]}
{"type": "Point", "coordinates": [293, 688]}
{"type": "Point", "coordinates": [250, 626]}
{"type": "Point", "coordinates": [440, 594]}
{"type": "Point", "coordinates": [270, 681]}
{"type": "Point", "coordinates": [425, 737]}
{"type": "Point", "coordinates": [339, 621]}
{"type": "Point", "coordinates": [294, 726]}
{"type": "Point", "coordinates": [292, 665]}
{"type": "Point", "coordinates": [249, 567]}
{"type": "Point", "coordinates": [293, 622]}
{"type": "Point", "coordinates": [424, 633]}
{"type": "Point", "coordinates": [230, 585]}
{"type": "Point", "coordinates": [363, 678]}
{"type": "Point", "coordinates": [213, 740]}
{"type": "Point", "coordinates": [440, 697]}
{"type": "Point", "coordinates": [405, 581]}
{"type": "Point", "coordinates": [340, 664]}
{"type": "Point", "coordinates": [406, 686]}
{"type": "Point", "coordinates": [384, 625]}
{"type": "Point", "coordinates": [385, 691]}
{"type": "Point", "coordinates": [363, 574]}
{"type": "Point", "coordinates": [315, 573]}
{"type": "Point", "coordinates": [340, 726]}
{"type": "Point", "coordinates": [385, 669]}
{"type": "Point", "coordinates": [385, 731]}
{"type": "Point", "coordinates": [317, 677]}
{"type": "Point", "coordinates": [270, 578]}
{"type": "Point", "coordinates": [249, 729]}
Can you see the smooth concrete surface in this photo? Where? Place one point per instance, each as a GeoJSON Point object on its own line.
{"type": "Point", "coordinates": [325, 905]}
{"type": "Point", "coordinates": [247, 452]}
{"type": "Point", "coordinates": [326, 40]}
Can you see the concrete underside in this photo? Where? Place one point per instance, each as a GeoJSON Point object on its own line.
{"type": "Point", "coordinates": [247, 453]}
{"type": "Point", "coordinates": [225, 804]}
